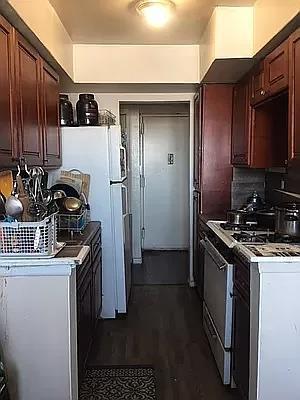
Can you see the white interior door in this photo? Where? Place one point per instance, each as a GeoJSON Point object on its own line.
{"type": "Point", "coordinates": [166, 192]}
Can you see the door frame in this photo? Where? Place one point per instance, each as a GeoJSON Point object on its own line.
{"type": "Point", "coordinates": [157, 98]}
{"type": "Point", "coordinates": [142, 166]}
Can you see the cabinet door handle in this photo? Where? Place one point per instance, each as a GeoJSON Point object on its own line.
{"type": "Point", "coordinates": [262, 92]}
{"type": "Point", "coordinates": [46, 161]}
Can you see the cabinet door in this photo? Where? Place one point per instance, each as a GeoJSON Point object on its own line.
{"type": "Point", "coordinates": [197, 122]}
{"type": "Point", "coordinates": [257, 82]}
{"type": "Point", "coordinates": [277, 69]}
{"type": "Point", "coordinates": [241, 128]}
{"type": "Point", "coordinates": [294, 97]}
{"type": "Point", "coordinates": [85, 311]}
{"type": "Point", "coordinates": [8, 134]}
{"type": "Point", "coordinates": [216, 168]}
{"type": "Point", "coordinates": [28, 79]}
{"type": "Point", "coordinates": [50, 108]}
{"type": "Point", "coordinates": [241, 343]}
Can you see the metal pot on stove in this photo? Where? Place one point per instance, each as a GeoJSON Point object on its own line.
{"type": "Point", "coordinates": [236, 217]}
{"type": "Point", "coordinates": [287, 219]}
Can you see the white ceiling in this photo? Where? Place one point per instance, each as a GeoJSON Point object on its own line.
{"type": "Point", "coordinates": [116, 22]}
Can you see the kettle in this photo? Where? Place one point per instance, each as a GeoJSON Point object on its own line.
{"type": "Point", "coordinates": [254, 203]}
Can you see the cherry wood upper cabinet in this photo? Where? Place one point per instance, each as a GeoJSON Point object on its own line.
{"type": "Point", "coordinates": [257, 84]}
{"type": "Point", "coordinates": [215, 159]}
{"type": "Point", "coordinates": [241, 124]}
{"type": "Point", "coordinates": [8, 135]}
{"type": "Point", "coordinates": [50, 113]}
{"type": "Point", "coordinates": [27, 62]}
{"type": "Point", "coordinates": [294, 97]}
{"type": "Point", "coordinates": [276, 66]}
{"type": "Point", "coordinates": [197, 119]}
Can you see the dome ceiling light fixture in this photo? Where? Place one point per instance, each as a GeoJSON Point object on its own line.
{"type": "Point", "coordinates": [156, 12]}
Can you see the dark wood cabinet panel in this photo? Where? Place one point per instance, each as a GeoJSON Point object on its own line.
{"type": "Point", "coordinates": [89, 293]}
{"type": "Point", "coordinates": [241, 343]}
{"type": "Point", "coordinates": [276, 66]}
{"type": "Point", "coordinates": [85, 312]}
{"type": "Point", "coordinates": [269, 133]}
{"type": "Point", "coordinates": [50, 112]}
{"type": "Point", "coordinates": [294, 98]}
{"type": "Point", "coordinates": [97, 287]}
{"type": "Point", "coordinates": [8, 133]}
{"type": "Point", "coordinates": [197, 118]}
{"type": "Point", "coordinates": [257, 84]}
{"type": "Point", "coordinates": [28, 101]}
{"type": "Point", "coordinates": [241, 124]}
{"type": "Point", "coordinates": [241, 327]}
{"type": "Point", "coordinates": [29, 104]}
{"type": "Point", "coordinates": [215, 161]}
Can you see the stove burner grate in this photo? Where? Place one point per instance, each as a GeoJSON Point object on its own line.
{"type": "Point", "coordinates": [227, 226]}
{"type": "Point", "coordinates": [254, 237]}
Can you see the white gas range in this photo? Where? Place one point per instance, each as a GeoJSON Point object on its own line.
{"type": "Point", "coordinates": [257, 244]}
{"type": "Point", "coordinates": [260, 251]}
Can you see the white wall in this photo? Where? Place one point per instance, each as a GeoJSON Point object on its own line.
{"type": "Point", "coordinates": [42, 19]}
{"type": "Point", "coordinates": [270, 16]}
{"type": "Point", "coordinates": [136, 64]}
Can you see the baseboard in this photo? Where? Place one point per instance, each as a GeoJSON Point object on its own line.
{"type": "Point", "coordinates": [137, 261]}
{"type": "Point", "coordinates": [167, 249]}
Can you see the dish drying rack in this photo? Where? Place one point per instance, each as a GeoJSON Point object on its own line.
{"type": "Point", "coordinates": [29, 239]}
{"type": "Point", "coordinates": [106, 117]}
{"type": "Point", "coordinates": [73, 223]}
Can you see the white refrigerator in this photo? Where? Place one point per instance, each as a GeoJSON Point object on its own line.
{"type": "Point", "coordinates": [101, 152]}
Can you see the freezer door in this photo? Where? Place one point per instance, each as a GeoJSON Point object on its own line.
{"type": "Point", "coordinates": [128, 253]}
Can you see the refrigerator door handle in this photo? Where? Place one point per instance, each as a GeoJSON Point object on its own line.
{"type": "Point", "coordinates": [123, 150]}
{"type": "Point", "coordinates": [126, 211]}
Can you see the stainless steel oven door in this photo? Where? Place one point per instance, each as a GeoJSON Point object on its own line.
{"type": "Point", "coordinates": [218, 282]}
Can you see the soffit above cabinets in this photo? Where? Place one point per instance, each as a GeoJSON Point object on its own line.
{"type": "Point", "coordinates": [115, 22]}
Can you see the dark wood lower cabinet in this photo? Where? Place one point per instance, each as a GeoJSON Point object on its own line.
{"type": "Point", "coordinates": [241, 328]}
{"type": "Point", "coordinates": [89, 296]}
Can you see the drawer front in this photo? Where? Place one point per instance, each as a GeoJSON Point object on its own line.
{"type": "Point", "coordinates": [222, 356]}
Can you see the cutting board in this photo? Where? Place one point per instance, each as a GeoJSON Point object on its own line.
{"type": "Point", "coordinates": [6, 183]}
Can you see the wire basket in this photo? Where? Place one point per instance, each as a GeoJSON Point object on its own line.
{"type": "Point", "coordinates": [29, 239]}
{"type": "Point", "coordinates": [106, 118]}
{"type": "Point", "coordinates": [73, 222]}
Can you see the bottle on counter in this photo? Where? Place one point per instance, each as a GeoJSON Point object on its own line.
{"type": "Point", "coordinates": [87, 110]}
{"type": "Point", "coordinates": [65, 111]}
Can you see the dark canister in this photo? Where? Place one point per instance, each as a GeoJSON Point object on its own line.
{"type": "Point", "coordinates": [65, 110]}
{"type": "Point", "coordinates": [87, 110]}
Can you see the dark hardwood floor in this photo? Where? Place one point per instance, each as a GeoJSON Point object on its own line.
{"type": "Point", "coordinates": [162, 268]}
{"type": "Point", "coordinates": [164, 329]}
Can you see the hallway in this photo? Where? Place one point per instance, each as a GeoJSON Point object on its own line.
{"type": "Point", "coordinates": [163, 329]}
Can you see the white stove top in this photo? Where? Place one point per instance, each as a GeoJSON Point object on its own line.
{"type": "Point", "coordinates": [227, 235]}
{"type": "Point", "coordinates": [257, 252]}
{"type": "Point", "coordinates": [275, 250]}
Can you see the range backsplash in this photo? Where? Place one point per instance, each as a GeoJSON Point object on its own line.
{"type": "Point", "coordinates": [244, 182]}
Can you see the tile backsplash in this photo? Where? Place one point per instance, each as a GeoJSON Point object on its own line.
{"type": "Point", "coordinates": [244, 182]}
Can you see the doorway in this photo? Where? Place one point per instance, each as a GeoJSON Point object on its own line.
{"type": "Point", "coordinates": [166, 176]}
{"type": "Point", "coordinates": [159, 146]}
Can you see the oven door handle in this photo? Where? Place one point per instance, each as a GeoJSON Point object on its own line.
{"type": "Point", "coordinates": [215, 255]}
